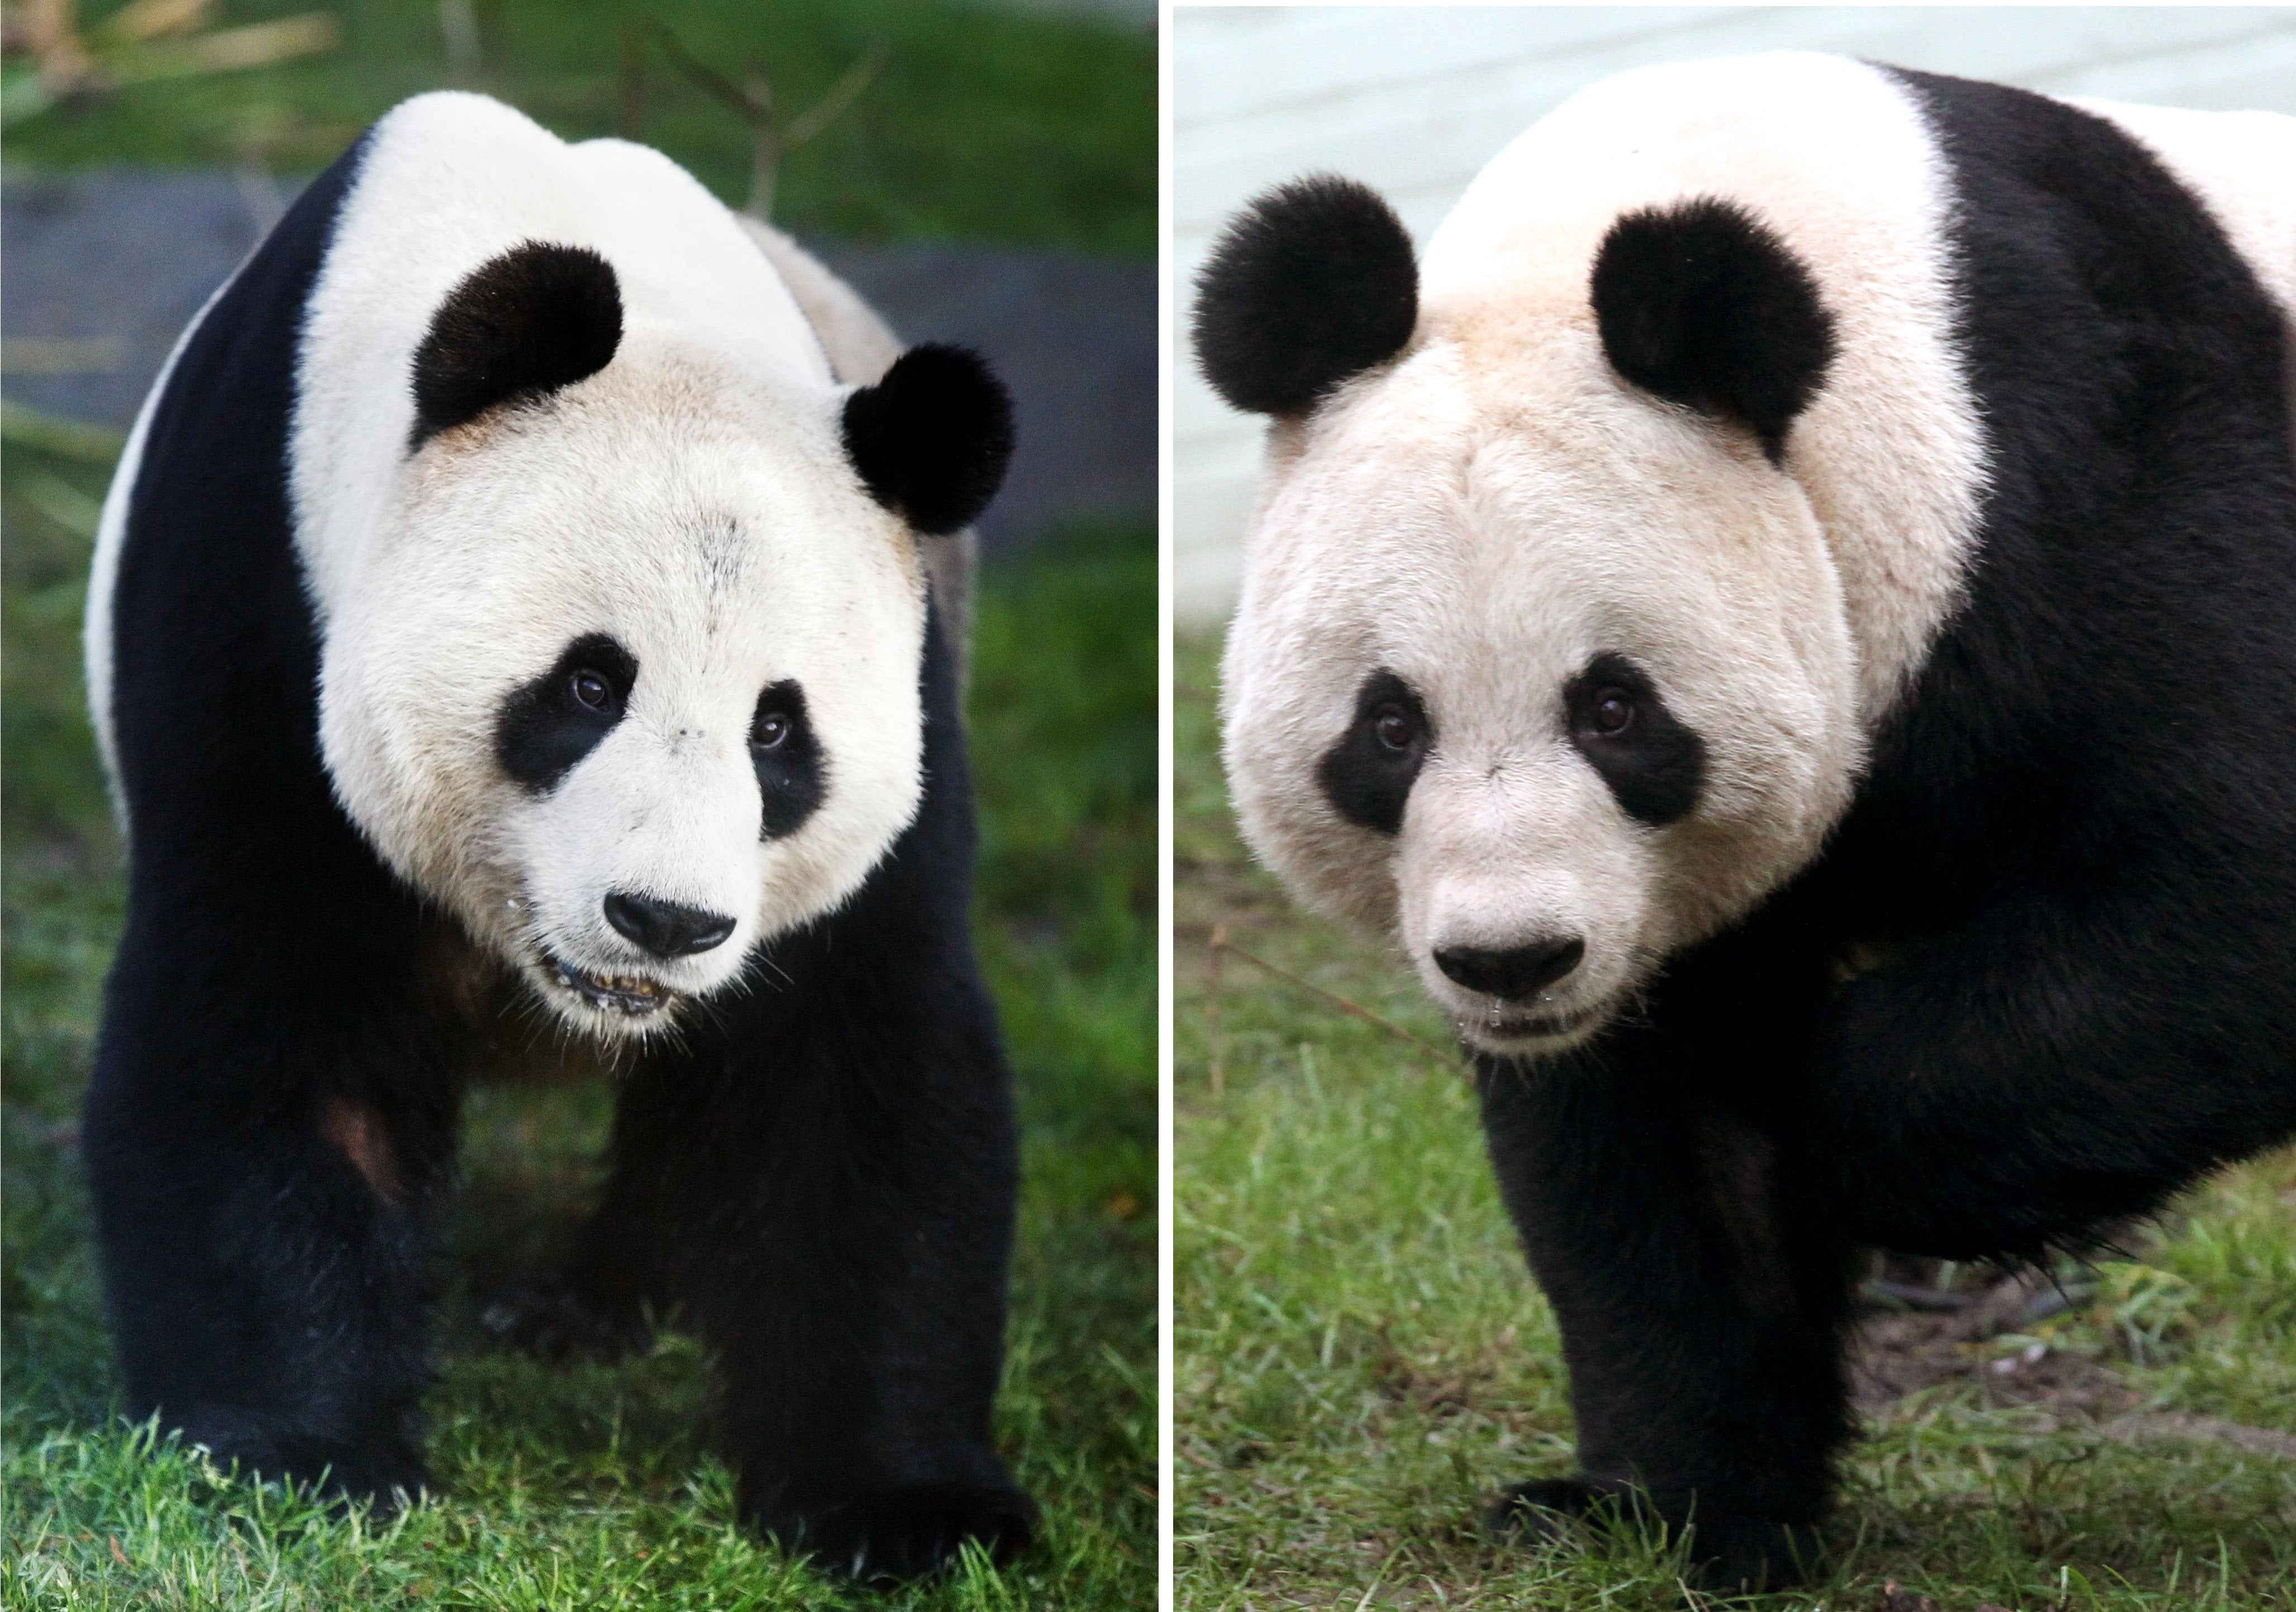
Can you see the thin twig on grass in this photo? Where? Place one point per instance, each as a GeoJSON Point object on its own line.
{"type": "Point", "coordinates": [1220, 944]}
{"type": "Point", "coordinates": [1212, 1007]}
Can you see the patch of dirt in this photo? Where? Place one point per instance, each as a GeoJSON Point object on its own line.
{"type": "Point", "coordinates": [1914, 1334]}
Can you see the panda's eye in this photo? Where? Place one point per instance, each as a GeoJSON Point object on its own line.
{"type": "Point", "coordinates": [1394, 727]}
{"type": "Point", "coordinates": [769, 730]}
{"type": "Point", "coordinates": [591, 690]}
{"type": "Point", "coordinates": [1612, 712]}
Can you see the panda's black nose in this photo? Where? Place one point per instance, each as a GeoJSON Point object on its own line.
{"type": "Point", "coordinates": [664, 928]}
{"type": "Point", "coordinates": [1514, 973]}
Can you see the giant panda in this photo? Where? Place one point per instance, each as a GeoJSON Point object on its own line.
{"type": "Point", "coordinates": [511, 642]}
{"type": "Point", "coordinates": [1787, 616]}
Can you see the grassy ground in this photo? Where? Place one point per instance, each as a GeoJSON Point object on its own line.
{"type": "Point", "coordinates": [1363, 1360]}
{"type": "Point", "coordinates": [586, 1487]}
{"type": "Point", "coordinates": [984, 123]}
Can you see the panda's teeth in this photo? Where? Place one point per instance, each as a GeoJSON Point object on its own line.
{"type": "Point", "coordinates": [623, 993]}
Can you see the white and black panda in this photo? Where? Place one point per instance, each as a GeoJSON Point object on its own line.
{"type": "Point", "coordinates": [508, 630]}
{"type": "Point", "coordinates": [1786, 614]}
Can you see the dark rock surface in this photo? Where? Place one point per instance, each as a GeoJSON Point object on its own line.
{"type": "Point", "coordinates": [102, 270]}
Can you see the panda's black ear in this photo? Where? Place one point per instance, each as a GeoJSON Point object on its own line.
{"type": "Point", "coordinates": [1704, 305]}
{"type": "Point", "coordinates": [931, 439]}
{"type": "Point", "coordinates": [1311, 284]}
{"type": "Point", "coordinates": [518, 326]}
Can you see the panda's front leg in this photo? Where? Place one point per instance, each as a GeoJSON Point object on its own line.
{"type": "Point", "coordinates": [1699, 1291]}
{"type": "Point", "coordinates": [839, 1208]}
{"type": "Point", "coordinates": [262, 1138]}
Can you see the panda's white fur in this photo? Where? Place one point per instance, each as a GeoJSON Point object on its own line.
{"type": "Point", "coordinates": [692, 500]}
{"type": "Point", "coordinates": [1497, 504]}
{"type": "Point", "coordinates": [861, 347]}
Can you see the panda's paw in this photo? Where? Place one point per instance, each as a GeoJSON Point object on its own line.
{"type": "Point", "coordinates": [556, 1323]}
{"type": "Point", "coordinates": [383, 1474]}
{"type": "Point", "coordinates": [1532, 1513]}
{"type": "Point", "coordinates": [1728, 1554]}
{"type": "Point", "coordinates": [1741, 1555]}
{"type": "Point", "coordinates": [901, 1533]}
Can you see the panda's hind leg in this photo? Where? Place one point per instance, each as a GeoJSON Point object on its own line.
{"type": "Point", "coordinates": [602, 1303]}
{"type": "Point", "coordinates": [558, 1320]}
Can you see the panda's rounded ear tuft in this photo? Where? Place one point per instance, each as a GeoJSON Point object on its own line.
{"type": "Point", "coordinates": [518, 326]}
{"type": "Point", "coordinates": [931, 439]}
{"type": "Point", "coordinates": [1312, 284]}
{"type": "Point", "coordinates": [1702, 304]}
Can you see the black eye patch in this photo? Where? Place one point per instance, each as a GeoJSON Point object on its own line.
{"type": "Point", "coordinates": [792, 775]}
{"type": "Point", "coordinates": [1653, 765]}
{"type": "Point", "coordinates": [1367, 775]}
{"type": "Point", "coordinates": [545, 726]}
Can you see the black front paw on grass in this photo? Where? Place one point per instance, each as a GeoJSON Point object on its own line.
{"type": "Point", "coordinates": [1533, 1513]}
{"type": "Point", "coordinates": [383, 1474]}
{"type": "Point", "coordinates": [1727, 1554]}
{"type": "Point", "coordinates": [1741, 1555]}
{"type": "Point", "coordinates": [903, 1532]}
{"type": "Point", "coordinates": [556, 1324]}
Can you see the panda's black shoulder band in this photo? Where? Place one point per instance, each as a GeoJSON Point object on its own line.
{"type": "Point", "coordinates": [931, 440]}
{"type": "Point", "coordinates": [518, 326]}
{"type": "Point", "coordinates": [1310, 285]}
{"type": "Point", "coordinates": [1702, 304]}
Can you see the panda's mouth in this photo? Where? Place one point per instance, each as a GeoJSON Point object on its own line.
{"type": "Point", "coordinates": [1500, 1031]}
{"type": "Point", "coordinates": [629, 995]}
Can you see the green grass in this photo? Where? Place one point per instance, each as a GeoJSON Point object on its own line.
{"type": "Point", "coordinates": [588, 1487]}
{"type": "Point", "coordinates": [984, 123]}
{"type": "Point", "coordinates": [1363, 1360]}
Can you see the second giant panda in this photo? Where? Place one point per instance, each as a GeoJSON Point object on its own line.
{"type": "Point", "coordinates": [1787, 615]}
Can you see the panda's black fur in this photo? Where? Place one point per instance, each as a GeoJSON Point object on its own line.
{"type": "Point", "coordinates": [1314, 284]}
{"type": "Point", "coordinates": [538, 317]}
{"type": "Point", "coordinates": [1701, 304]}
{"type": "Point", "coordinates": [818, 1173]}
{"type": "Point", "coordinates": [2073, 843]}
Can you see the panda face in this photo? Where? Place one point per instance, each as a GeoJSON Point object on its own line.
{"type": "Point", "coordinates": [634, 686]}
{"type": "Point", "coordinates": [1541, 681]}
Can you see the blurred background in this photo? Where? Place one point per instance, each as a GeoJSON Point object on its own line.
{"type": "Point", "coordinates": [983, 174]}
{"type": "Point", "coordinates": [1414, 101]}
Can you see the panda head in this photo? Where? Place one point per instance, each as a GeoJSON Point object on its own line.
{"type": "Point", "coordinates": [632, 681]}
{"type": "Point", "coordinates": [1541, 666]}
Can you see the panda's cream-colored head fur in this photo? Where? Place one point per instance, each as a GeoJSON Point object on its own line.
{"type": "Point", "coordinates": [621, 594]}
{"type": "Point", "coordinates": [1485, 537]}
{"type": "Point", "coordinates": [1588, 557]}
